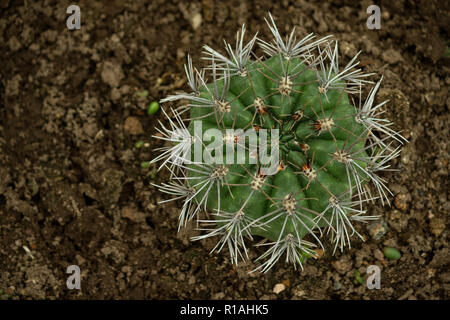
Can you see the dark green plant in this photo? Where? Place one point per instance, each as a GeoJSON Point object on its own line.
{"type": "Point", "coordinates": [329, 149]}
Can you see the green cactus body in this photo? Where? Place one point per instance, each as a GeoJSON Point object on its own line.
{"type": "Point", "coordinates": [296, 131]}
{"type": "Point", "coordinates": [328, 148]}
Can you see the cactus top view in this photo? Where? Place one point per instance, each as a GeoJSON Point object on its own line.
{"type": "Point", "coordinates": [300, 103]}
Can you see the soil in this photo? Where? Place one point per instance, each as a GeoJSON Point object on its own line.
{"type": "Point", "coordinates": [72, 191]}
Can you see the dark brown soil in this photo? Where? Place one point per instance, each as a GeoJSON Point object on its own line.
{"type": "Point", "coordinates": [72, 190]}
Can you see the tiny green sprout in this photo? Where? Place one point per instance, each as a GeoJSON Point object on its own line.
{"type": "Point", "coordinates": [145, 164]}
{"type": "Point", "coordinates": [153, 108]}
{"type": "Point", "coordinates": [392, 253]}
{"type": "Point", "coordinates": [139, 144]}
{"type": "Point", "coordinates": [152, 173]}
{"type": "Point", "coordinates": [142, 94]}
{"type": "Point", "coordinates": [358, 278]}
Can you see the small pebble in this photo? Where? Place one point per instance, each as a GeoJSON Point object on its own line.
{"type": "Point", "coordinates": [400, 202]}
{"type": "Point", "coordinates": [133, 126]}
{"type": "Point", "coordinates": [437, 226]}
{"type": "Point", "coordinates": [378, 229]}
{"type": "Point", "coordinates": [378, 255]}
{"type": "Point", "coordinates": [196, 21]}
{"type": "Point", "coordinates": [298, 291]}
{"type": "Point", "coordinates": [337, 285]}
{"type": "Point", "coordinates": [279, 287]}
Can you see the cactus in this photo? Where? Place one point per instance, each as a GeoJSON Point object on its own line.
{"type": "Point", "coordinates": [331, 151]}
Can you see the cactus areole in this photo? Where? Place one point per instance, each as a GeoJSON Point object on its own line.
{"type": "Point", "coordinates": [329, 151]}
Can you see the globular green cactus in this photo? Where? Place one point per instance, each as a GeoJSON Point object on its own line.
{"type": "Point", "coordinates": [326, 148]}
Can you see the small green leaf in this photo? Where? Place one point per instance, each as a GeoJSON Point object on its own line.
{"type": "Point", "coordinates": [358, 278]}
{"type": "Point", "coordinates": [145, 164]}
{"type": "Point", "coordinates": [392, 253]}
{"type": "Point", "coordinates": [142, 94]}
{"type": "Point", "coordinates": [152, 108]}
{"type": "Point", "coordinates": [139, 144]}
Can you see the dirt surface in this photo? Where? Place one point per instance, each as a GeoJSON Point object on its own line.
{"type": "Point", "coordinates": [72, 190]}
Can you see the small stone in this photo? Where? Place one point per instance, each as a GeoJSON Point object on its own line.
{"type": "Point", "coordinates": [180, 54]}
{"type": "Point", "coordinates": [80, 259]}
{"type": "Point", "coordinates": [218, 296]}
{"type": "Point", "coordinates": [196, 21]}
{"type": "Point", "coordinates": [279, 287]}
{"type": "Point", "coordinates": [391, 56]}
{"type": "Point", "coordinates": [378, 255]}
{"type": "Point", "coordinates": [124, 90]}
{"type": "Point", "coordinates": [14, 44]}
{"type": "Point", "coordinates": [13, 86]}
{"type": "Point", "coordinates": [407, 153]}
{"type": "Point", "coordinates": [115, 94]}
{"type": "Point", "coordinates": [378, 229]}
{"type": "Point", "coordinates": [342, 265]}
{"type": "Point", "coordinates": [112, 74]}
{"type": "Point", "coordinates": [406, 295]}
{"type": "Point", "coordinates": [337, 285]}
{"type": "Point", "coordinates": [298, 291]}
{"type": "Point", "coordinates": [90, 129]}
{"type": "Point", "coordinates": [348, 49]}
{"type": "Point", "coordinates": [437, 226]}
{"type": "Point", "coordinates": [401, 202]}
{"type": "Point", "coordinates": [99, 135]}
{"type": "Point", "coordinates": [133, 126]}
{"type": "Point", "coordinates": [132, 214]}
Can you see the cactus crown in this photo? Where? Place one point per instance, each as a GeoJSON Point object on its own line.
{"type": "Point", "coordinates": [328, 148]}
